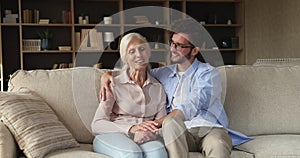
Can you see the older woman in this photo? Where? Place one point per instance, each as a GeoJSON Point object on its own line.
{"type": "Point", "coordinates": [123, 124]}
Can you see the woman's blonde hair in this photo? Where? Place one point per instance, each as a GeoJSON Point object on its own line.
{"type": "Point", "coordinates": [125, 42]}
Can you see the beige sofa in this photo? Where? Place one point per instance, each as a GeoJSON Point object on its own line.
{"type": "Point", "coordinates": [261, 101]}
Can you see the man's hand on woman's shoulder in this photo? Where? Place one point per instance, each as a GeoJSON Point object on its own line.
{"type": "Point", "coordinates": [106, 80]}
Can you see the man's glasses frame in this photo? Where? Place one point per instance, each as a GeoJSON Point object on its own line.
{"type": "Point", "coordinates": [179, 46]}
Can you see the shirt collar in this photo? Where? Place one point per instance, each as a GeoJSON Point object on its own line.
{"type": "Point", "coordinates": [124, 78]}
{"type": "Point", "coordinates": [190, 70]}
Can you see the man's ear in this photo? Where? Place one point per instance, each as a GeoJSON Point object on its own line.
{"type": "Point", "coordinates": [195, 51]}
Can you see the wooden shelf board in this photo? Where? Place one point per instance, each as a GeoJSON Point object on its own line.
{"type": "Point", "coordinates": [58, 25]}
{"type": "Point", "coordinates": [223, 49]}
{"type": "Point", "coordinates": [100, 0]}
{"type": "Point", "coordinates": [95, 51]}
{"type": "Point", "coordinates": [112, 51]}
{"type": "Point", "coordinates": [116, 51]}
{"type": "Point", "coordinates": [46, 51]}
{"type": "Point", "coordinates": [9, 24]}
{"type": "Point", "coordinates": [222, 25]}
{"type": "Point", "coordinates": [148, 0]}
{"type": "Point", "coordinates": [100, 25]}
{"type": "Point", "coordinates": [214, 1]}
{"type": "Point", "coordinates": [159, 50]}
{"type": "Point", "coordinates": [146, 25]}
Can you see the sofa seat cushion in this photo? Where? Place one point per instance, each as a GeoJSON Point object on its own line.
{"type": "Point", "coordinates": [234, 154]}
{"type": "Point", "coordinates": [34, 125]}
{"type": "Point", "coordinates": [85, 150]}
{"type": "Point", "coordinates": [269, 146]}
{"type": "Point", "coordinates": [195, 155]}
{"type": "Point", "coordinates": [240, 154]}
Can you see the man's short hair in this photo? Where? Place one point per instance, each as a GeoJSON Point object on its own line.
{"type": "Point", "coordinates": [190, 27]}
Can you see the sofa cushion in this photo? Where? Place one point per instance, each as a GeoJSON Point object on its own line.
{"type": "Point", "coordinates": [71, 93]}
{"type": "Point", "coordinates": [34, 125]}
{"type": "Point", "coordinates": [234, 154]}
{"type": "Point", "coordinates": [77, 153]}
{"type": "Point", "coordinates": [273, 146]}
{"type": "Point", "coordinates": [262, 99]}
{"type": "Point", "coordinates": [7, 142]}
{"type": "Point", "coordinates": [85, 151]}
{"type": "Point", "coordinates": [241, 154]}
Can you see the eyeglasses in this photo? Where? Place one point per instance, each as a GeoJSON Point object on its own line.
{"type": "Point", "coordinates": [179, 46]}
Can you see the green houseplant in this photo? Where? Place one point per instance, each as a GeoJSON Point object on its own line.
{"type": "Point", "coordinates": [45, 37]}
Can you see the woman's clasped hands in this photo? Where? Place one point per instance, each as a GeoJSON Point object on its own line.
{"type": "Point", "coordinates": [144, 131]}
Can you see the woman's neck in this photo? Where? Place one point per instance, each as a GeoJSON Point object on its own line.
{"type": "Point", "coordinates": [138, 76]}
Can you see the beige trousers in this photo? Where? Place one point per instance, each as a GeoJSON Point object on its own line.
{"type": "Point", "coordinates": [212, 142]}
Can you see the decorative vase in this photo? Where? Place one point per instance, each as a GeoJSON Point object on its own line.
{"type": "Point", "coordinates": [46, 44]}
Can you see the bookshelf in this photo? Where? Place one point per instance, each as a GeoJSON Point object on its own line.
{"type": "Point", "coordinates": [66, 22]}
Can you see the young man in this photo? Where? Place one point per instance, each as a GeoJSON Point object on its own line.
{"type": "Point", "coordinates": [196, 119]}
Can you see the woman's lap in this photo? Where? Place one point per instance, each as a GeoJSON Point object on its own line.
{"type": "Point", "coordinates": [118, 145]}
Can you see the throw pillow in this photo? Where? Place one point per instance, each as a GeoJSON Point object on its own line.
{"type": "Point", "coordinates": [34, 124]}
{"type": "Point", "coordinates": [7, 142]}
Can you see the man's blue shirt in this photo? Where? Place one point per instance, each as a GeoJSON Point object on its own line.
{"type": "Point", "coordinates": [201, 96]}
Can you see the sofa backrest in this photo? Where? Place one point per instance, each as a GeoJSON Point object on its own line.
{"type": "Point", "coordinates": [258, 99]}
{"type": "Point", "coordinates": [71, 93]}
{"type": "Point", "coordinates": [262, 99]}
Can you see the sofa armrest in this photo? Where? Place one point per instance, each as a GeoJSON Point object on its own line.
{"type": "Point", "coordinates": [8, 148]}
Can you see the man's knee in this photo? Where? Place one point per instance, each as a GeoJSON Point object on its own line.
{"type": "Point", "coordinates": [173, 126]}
{"type": "Point", "coordinates": [214, 143]}
{"type": "Point", "coordinates": [217, 143]}
{"type": "Point", "coordinates": [172, 121]}
{"type": "Point", "coordinates": [217, 137]}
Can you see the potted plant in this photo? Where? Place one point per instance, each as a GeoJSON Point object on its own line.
{"type": "Point", "coordinates": [45, 37]}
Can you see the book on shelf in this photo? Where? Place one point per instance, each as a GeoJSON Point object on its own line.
{"type": "Point", "coordinates": [69, 17]}
{"type": "Point", "coordinates": [66, 17]}
{"type": "Point", "coordinates": [44, 21]}
{"type": "Point", "coordinates": [91, 40]}
{"type": "Point", "coordinates": [84, 33]}
{"type": "Point", "coordinates": [31, 16]}
{"type": "Point", "coordinates": [77, 40]}
{"type": "Point", "coordinates": [36, 16]}
{"type": "Point", "coordinates": [62, 66]}
{"type": "Point", "coordinates": [26, 16]}
{"type": "Point", "coordinates": [141, 19]}
{"type": "Point", "coordinates": [55, 66]}
{"type": "Point", "coordinates": [31, 44]}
